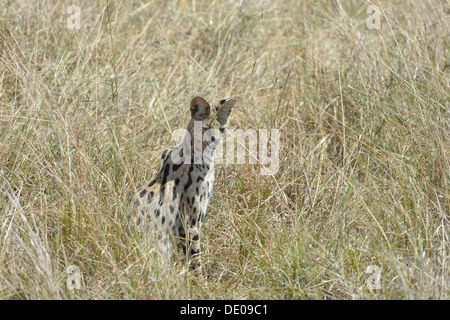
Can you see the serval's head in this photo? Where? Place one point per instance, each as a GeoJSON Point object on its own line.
{"type": "Point", "coordinates": [212, 119]}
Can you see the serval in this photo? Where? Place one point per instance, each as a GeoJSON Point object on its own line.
{"type": "Point", "coordinates": [175, 200]}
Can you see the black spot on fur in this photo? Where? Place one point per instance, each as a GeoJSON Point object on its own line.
{"type": "Point", "coordinates": [151, 183]}
{"type": "Point", "coordinates": [193, 222]}
{"type": "Point", "coordinates": [174, 193]}
{"type": "Point", "coordinates": [163, 219]}
{"type": "Point", "coordinates": [143, 192]}
{"type": "Point", "coordinates": [164, 154]}
{"type": "Point", "coordinates": [150, 197]}
{"type": "Point", "coordinates": [177, 180]}
{"type": "Point", "coordinates": [175, 167]}
{"type": "Point", "coordinates": [195, 238]}
{"type": "Point", "coordinates": [189, 182]}
{"type": "Point", "coordinates": [157, 213]}
{"type": "Point", "coordinates": [166, 173]}
{"type": "Point", "coordinates": [137, 202]}
{"type": "Point", "coordinates": [171, 209]}
{"type": "Point", "coordinates": [199, 178]}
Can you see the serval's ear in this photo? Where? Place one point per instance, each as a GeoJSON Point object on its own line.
{"type": "Point", "coordinates": [200, 108]}
{"type": "Point", "coordinates": [225, 110]}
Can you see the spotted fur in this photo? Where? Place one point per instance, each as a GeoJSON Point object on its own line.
{"type": "Point", "coordinates": [175, 200]}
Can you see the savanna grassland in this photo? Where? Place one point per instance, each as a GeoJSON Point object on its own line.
{"type": "Point", "coordinates": [363, 113]}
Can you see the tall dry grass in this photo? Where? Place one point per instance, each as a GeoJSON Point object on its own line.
{"type": "Point", "coordinates": [364, 165]}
